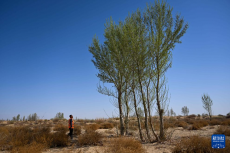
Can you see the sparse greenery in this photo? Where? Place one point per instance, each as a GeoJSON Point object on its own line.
{"type": "Point", "coordinates": [33, 117]}
{"type": "Point", "coordinates": [207, 104]}
{"type": "Point", "coordinates": [59, 116]}
{"type": "Point", "coordinates": [185, 110]}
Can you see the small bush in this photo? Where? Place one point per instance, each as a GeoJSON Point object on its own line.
{"type": "Point", "coordinates": [59, 139]}
{"type": "Point", "coordinates": [55, 120]}
{"type": "Point", "coordinates": [189, 121]}
{"type": "Point", "coordinates": [125, 145]}
{"type": "Point", "coordinates": [106, 126]}
{"type": "Point", "coordinates": [223, 130]}
{"type": "Point", "coordinates": [60, 128]}
{"type": "Point", "coordinates": [181, 124]}
{"type": "Point", "coordinates": [226, 122]}
{"type": "Point", "coordinates": [195, 126]}
{"type": "Point", "coordinates": [89, 138]}
{"type": "Point", "coordinates": [203, 123]}
{"type": "Point", "coordinates": [168, 125]}
{"type": "Point", "coordinates": [77, 130]}
{"type": "Point", "coordinates": [10, 122]}
{"type": "Point", "coordinates": [92, 127]}
{"type": "Point", "coordinates": [214, 122]}
{"type": "Point", "coordinates": [228, 116]}
{"type": "Point", "coordinates": [191, 116]}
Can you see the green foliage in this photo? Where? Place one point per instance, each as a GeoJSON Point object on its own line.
{"type": "Point", "coordinates": [207, 104]}
{"type": "Point", "coordinates": [137, 53]}
{"type": "Point", "coordinates": [33, 117]}
{"type": "Point", "coordinates": [185, 110]}
{"type": "Point", "coordinates": [59, 116]}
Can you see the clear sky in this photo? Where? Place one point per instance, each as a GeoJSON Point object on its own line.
{"type": "Point", "coordinates": [46, 68]}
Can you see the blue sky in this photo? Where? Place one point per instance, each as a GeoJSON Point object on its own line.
{"type": "Point", "coordinates": [46, 68]}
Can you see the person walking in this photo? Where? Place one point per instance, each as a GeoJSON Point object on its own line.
{"type": "Point", "coordinates": [71, 126]}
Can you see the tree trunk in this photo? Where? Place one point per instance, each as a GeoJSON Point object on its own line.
{"type": "Point", "coordinates": [145, 109]}
{"type": "Point", "coordinates": [122, 128]}
{"type": "Point", "coordinates": [161, 111]}
{"type": "Point", "coordinates": [138, 118]}
{"type": "Point", "coordinates": [127, 113]}
{"type": "Point", "coordinates": [150, 119]}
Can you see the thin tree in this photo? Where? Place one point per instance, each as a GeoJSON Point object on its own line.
{"type": "Point", "coordinates": [163, 34]}
{"type": "Point", "coordinates": [207, 104]}
{"type": "Point", "coordinates": [185, 110]}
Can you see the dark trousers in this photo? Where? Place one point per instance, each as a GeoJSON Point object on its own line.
{"type": "Point", "coordinates": [71, 133]}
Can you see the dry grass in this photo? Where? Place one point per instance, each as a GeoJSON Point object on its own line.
{"type": "Point", "coordinates": [181, 124]}
{"type": "Point", "coordinates": [92, 127]}
{"type": "Point", "coordinates": [189, 121]}
{"type": "Point", "coordinates": [226, 122]}
{"type": "Point", "coordinates": [89, 138]}
{"type": "Point", "coordinates": [202, 123]}
{"type": "Point", "coordinates": [195, 126]}
{"type": "Point", "coordinates": [124, 145]}
{"type": "Point", "coordinates": [60, 128]}
{"type": "Point", "coordinates": [192, 116]}
{"type": "Point", "coordinates": [77, 130]}
{"type": "Point", "coordinates": [214, 122]}
{"type": "Point", "coordinates": [17, 139]}
{"type": "Point", "coordinates": [106, 126]}
{"type": "Point", "coordinates": [197, 144]}
{"type": "Point", "coordinates": [223, 130]}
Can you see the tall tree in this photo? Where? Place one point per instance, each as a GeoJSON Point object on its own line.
{"type": "Point", "coordinates": [207, 104]}
{"type": "Point", "coordinates": [111, 60]}
{"type": "Point", "coordinates": [163, 34]}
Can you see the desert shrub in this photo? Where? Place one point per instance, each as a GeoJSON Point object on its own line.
{"type": "Point", "coordinates": [124, 145]}
{"type": "Point", "coordinates": [223, 130]}
{"type": "Point", "coordinates": [168, 125]}
{"type": "Point", "coordinates": [77, 130]}
{"type": "Point", "coordinates": [10, 122]}
{"type": "Point", "coordinates": [18, 138]}
{"type": "Point", "coordinates": [89, 138]}
{"type": "Point", "coordinates": [189, 121]}
{"type": "Point", "coordinates": [99, 121]}
{"type": "Point", "coordinates": [195, 126]}
{"type": "Point", "coordinates": [33, 147]}
{"type": "Point", "coordinates": [59, 139]}
{"type": "Point", "coordinates": [133, 125]}
{"type": "Point", "coordinates": [202, 123]}
{"type": "Point", "coordinates": [106, 126]}
{"type": "Point", "coordinates": [226, 122]}
{"type": "Point", "coordinates": [228, 116]}
{"type": "Point", "coordinates": [61, 128]}
{"type": "Point", "coordinates": [92, 127]}
{"type": "Point", "coordinates": [55, 120]}
{"type": "Point", "coordinates": [181, 124]}
{"type": "Point", "coordinates": [214, 122]}
{"type": "Point", "coordinates": [196, 144]}
{"type": "Point", "coordinates": [191, 116]}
